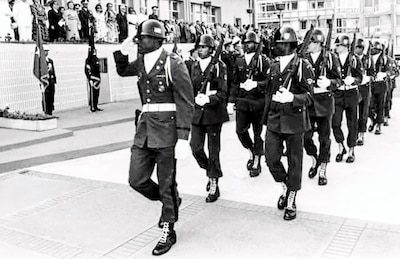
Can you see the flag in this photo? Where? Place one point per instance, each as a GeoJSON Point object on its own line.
{"type": "Point", "coordinates": [39, 62]}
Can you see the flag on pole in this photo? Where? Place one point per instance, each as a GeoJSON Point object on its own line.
{"type": "Point", "coordinates": [39, 63]}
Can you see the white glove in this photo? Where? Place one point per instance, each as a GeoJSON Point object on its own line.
{"type": "Point", "coordinates": [248, 85]}
{"type": "Point", "coordinates": [380, 76]}
{"type": "Point", "coordinates": [323, 82]}
{"type": "Point", "coordinates": [283, 96]}
{"type": "Point", "coordinates": [263, 132]}
{"type": "Point", "coordinates": [202, 99]}
{"type": "Point", "coordinates": [365, 80]}
{"type": "Point", "coordinates": [182, 149]}
{"type": "Point", "coordinates": [127, 46]}
{"type": "Point", "coordinates": [229, 108]}
{"type": "Point", "coordinates": [349, 80]}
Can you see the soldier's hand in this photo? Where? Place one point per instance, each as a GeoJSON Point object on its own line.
{"type": "Point", "coordinates": [349, 80]}
{"type": "Point", "coordinates": [323, 82]}
{"type": "Point", "coordinates": [283, 96]}
{"type": "Point", "coordinates": [229, 108]}
{"type": "Point", "coordinates": [380, 76]}
{"type": "Point", "coordinates": [127, 45]}
{"type": "Point", "coordinates": [201, 99]}
{"type": "Point", "coordinates": [263, 132]}
{"type": "Point", "coordinates": [182, 149]}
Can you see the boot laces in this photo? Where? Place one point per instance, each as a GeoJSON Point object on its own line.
{"type": "Point", "coordinates": [256, 161]}
{"type": "Point", "coordinates": [290, 200]}
{"type": "Point", "coordinates": [165, 232]}
{"type": "Point", "coordinates": [284, 189]}
{"type": "Point", "coordinates": [213, 186]}
{"type": "Point", "coordinates": [322, 170]}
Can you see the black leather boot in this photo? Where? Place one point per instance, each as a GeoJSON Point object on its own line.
{"type": "Point", "coordinates": [360, 139]}
{"type": "Point", "coordinates": [255, 170]}
{"type": "Point", "coordinates": [250, 162]}
{"type": "Point", "coordinates": [322, 174]}
{"type": "Point", "coordinates": [371, 127]}
{"type": "Point", "coordinates": [339, 157]}
{"type": "Point", "coordinates": [282, 199]}
{"type": "Point", "coordinates": [167, 239]}
{"type": "Point", "coordinates": [351, 158]}
{"type": "Point", "coordinates": [378, 130]}
{"type": "Point", "coordinates": [214, 194]}
{"type": "Point", "coordinates": [313, 170]}
{"type": "Point", "coordinates": [290, 210]}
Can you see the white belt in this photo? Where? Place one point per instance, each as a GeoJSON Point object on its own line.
{"type": "Point", "coordinates": [159, 107]}
{"type": "Point", "coordinates": [318, 90]}
{"type": "Point", "coordinates": [347, 87]}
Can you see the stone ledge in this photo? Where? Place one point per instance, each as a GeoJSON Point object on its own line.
{"type": "Point", "coordinates": [34, 125]}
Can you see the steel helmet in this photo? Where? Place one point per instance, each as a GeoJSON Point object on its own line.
{"type": "Point", "coordinates": [251, 36]}
{"type": "Point", "coordinates": [285, 34]}
{"type": "Point", "coordinates": [343, 40]}
{"type": "Point", "coordinates": [317, 36]}
{"type": "Point", "coordinates": [360, 43]}
{"type": "Point", "coordinates": [206, 40]}
{"type": "Point", "coordinates": [377, 45]}
{"type": "Point", "coordinates": [151, 28]}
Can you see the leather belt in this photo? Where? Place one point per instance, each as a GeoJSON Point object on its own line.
{"type": "Point", "coordinates": [318, 90]}
{"type": "Point", "coordinates": [159, 107]}
{"type": "Point", "coordinates": [347, 87]}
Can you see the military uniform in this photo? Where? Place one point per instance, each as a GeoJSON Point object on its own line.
{"type": "Point", "coordinates": [322, 109]}
{"type": "Point", "coordinates": [391, 84]}
{"type": "Point", "coordinates": [48, 104]}
{"type": "Point", "coordinates": [167, 97]}
{"type": "Point", "coordinates": [346, 99]}
{"type": "Point", "coordinates": [365, 95]}
{"type": "Point", "coordinates": [92, 71]}
{"type": "Point", "coordinates": [287, 122]}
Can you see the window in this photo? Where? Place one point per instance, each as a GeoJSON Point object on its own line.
{"type": "Point", "coordinates": [368, 3]}
{"type": "Point", "coordinates": [320, 4]}
{"type": "Point", "coordinates": [303, 25]}
{"type": "Point", "coordinates": [373, 21]}
{"type": "Point", "coordinates": [174, 10]}
{"type": "Point", "coordinates": [294, 5]}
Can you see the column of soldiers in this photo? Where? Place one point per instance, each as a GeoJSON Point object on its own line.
{"type": "Point", "coordinates": [284, 98]}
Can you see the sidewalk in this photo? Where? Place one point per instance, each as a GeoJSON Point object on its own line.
{"type": "Point", "coordinates": [66, 207]}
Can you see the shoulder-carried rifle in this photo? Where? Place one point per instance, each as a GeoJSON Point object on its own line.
{"type": "Point", "coordinates": [254, 60]}
{"type": "Point", "coordinates": [351, 54]}
{"type": "Point", "coordinates": [326, 50]}
{"type": "Point", "coordinates": [207, 71]}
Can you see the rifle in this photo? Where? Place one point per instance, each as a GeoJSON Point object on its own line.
{"type": "Point", "coordinates": [254, 60]}
{"type": "Point", "coordinates": [351, 54]}
{"type": "Point", "coordinates": [296, 61]}
{"type": "Point", "coordinates": [325, 50]}
{"type": "Point", "coordinates": [207, 71]}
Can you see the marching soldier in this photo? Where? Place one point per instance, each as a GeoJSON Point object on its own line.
{"type": "Point", "coordinates": [364, 90]}
{"type": "Point", "coordinates": [391, 84]}
{"type": "Point", "coordinates": [210, 112]}
{"type": "Point", "coordinates": [164, 124]}
{"type": "Point", "coordinates": [346, 98]}
{"type": "Point", "coordinates": [286, 117]}
{"type": "Point", "coordinates": [327, 74]}
{"type": "Point", "coordinates": [248, 95]}
{"type": "Point", "coordinates": [380, 71]}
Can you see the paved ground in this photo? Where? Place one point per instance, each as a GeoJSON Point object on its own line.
{"type": "Point", "coordinates": [80, 206]}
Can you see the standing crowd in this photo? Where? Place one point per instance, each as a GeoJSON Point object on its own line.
{"type": "Point", "coordinates": [283, 91]}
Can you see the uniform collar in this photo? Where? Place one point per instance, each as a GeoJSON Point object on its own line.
{"type": "Point", "coordinates": [248, 57]}
{"type": "Point", "coordinates": [204, 63]}
{"type": "Point", "coordinates": [151, 58]}
{"type": "Point", "coordinates": [315, 56]}
{"type": "Point", "coordinates": [284, 61]}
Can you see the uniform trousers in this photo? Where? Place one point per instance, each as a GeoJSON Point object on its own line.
{"type": "Point", "coordinates": [245, 119]}
{"type": "Point", "coordinates": [94, 97]}
{"type": "Point", "coordinates": [48, 102]}
{"type": "Point", "coordinates": [321, 125]}
{"type": "Point", "coordinates": [388, 102]}
{"type": "Point", "coordinates": [363, 107]}
{"type": "Point", "coordinates": [346, 101]}
{"type": "Point", "coordinates": [212, 163]}
{"type": "Point", "coordinates": [294, 146]}
{"type": "Point", "coordinates": [141, 168]}
{"type": "Point", "coordinates": [377, 103]}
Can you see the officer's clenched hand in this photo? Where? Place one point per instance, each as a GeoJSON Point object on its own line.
{"type": "Point", "coordinates": [263, 132]}
{"type": "Point", "coordinates": [323, 82]}
{"type": "Point", "coordinates": [349, 80]}
{"type": "Point", "coordinates": [380, 76]}
{"type": "Point", "coordinates": [248, 85]}
{"type": "Point", "coordinates": [182, 149]}
{"type": "Point", "coordinates": [202, 99]}
{"type": "Point", "coordinates": [283, 95]}
{"type": "Point", "coordinates": [127, 45]}
{"type": "Point", "coordinates": [229, 108]}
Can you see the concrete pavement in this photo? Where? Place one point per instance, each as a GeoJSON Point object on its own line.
{"type": "Point", "coordinates": [83, 207]}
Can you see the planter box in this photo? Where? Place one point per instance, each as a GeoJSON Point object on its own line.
{"type": "Point", "coordinates": [37, 125]}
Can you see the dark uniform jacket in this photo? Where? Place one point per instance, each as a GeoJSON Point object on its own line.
{"type": "Point", "coordinates": [254, 99]}
{"type": "Point", "coordinates": [85, 16]}
{"type": "Point", "coordinates": [382, 64]}
{"type": "Point", "coordinates": [215, 111]}
{"type": "Point", "coordinates": [324, 103]}
{"type": "Point", "coordinates": [293, 117]}
{"type": "Point", "coordinates": [161, 129]}
{"type": "Point", "coordinates": [52, 72]}
{"type": "Point", "coordinates": [228, 58]}
{"type": "Point", "coordinates": [356, 72]}
{"type": "Point", "coordinates": [394, 71]}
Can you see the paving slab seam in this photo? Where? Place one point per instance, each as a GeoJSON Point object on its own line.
{"type": "Point", "coordinates": [41, 245]}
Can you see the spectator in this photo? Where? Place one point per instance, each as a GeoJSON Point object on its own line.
{"type": "Point", "coordinates": [100, 24]}
{"type": "Point", "coordinates": [132, 21]}
{"type": "Point", "coordinates": [193, 34]}
{"type": "Point", "coordinates": [177, 31]}
{"type": "Point", "coordinates": [122, 23]}
{"type": "Point", "coordinates": [5, 22]}
{"type": "Point", "coordinates": [111, 23]}
{"type": "Point", "coordinates": [14, 25]}
{"type": "Point", "coordinates": [77, 8]}
{"type": "Point", "coordinates": [154, 14]}
{"type": "Point", "coordinates": [54, 19]}
{"type": "Point", "coordinates": [39, 20]}
{"type": "Point", "coordinates": [23, 17]}
{"type": "Point", "coordinates": [63, 30]}
{"type": "Point", "coordinates": [142, 16]}
{"type": "Point", "coordinates": [181, 25]}
{"type": "Point", "coordinates": [199, 30]}
{"type": "Point", "coordinates": [86, 18]}
{"type": "Point", "coordinates": [72, 22]}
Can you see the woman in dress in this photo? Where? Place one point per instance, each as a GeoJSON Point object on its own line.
{"type": "Point", "coordinates": [100, 24]}
{"type": "Point", "coordinates": [111, 23]}
{"type": "Point", "coordinates": [73, 24]}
